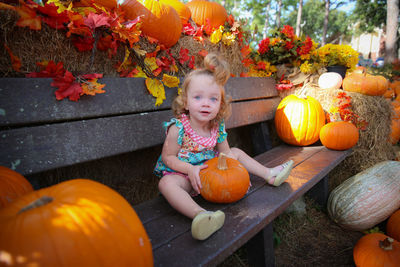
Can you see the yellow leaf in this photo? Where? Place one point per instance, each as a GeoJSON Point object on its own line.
{"type": "Point", "coordinates": [217, 35]}
{"type": "Point", "coordinates": [140, 73]}
{"type": "Point", "coordinates": [156, 89]}
{"type": "Point", "coordinates": [170, 81]}
{"type": "Point", "coordinates": [60, 5]}
{"type": "Point", "coordinates": [228, 38]}
{"type": "Point", "coordinates": [126, 60]}
{"type": "Point", "coordinates": [151, 63]}
{"type": "Point", "coordinates": [92, 87]}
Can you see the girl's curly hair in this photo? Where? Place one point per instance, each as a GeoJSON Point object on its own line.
{"type": "Point", "coordinates": [216, 67]}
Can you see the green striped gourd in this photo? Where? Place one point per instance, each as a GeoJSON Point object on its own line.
{"type": "Point", "coordinates": [366, 198]}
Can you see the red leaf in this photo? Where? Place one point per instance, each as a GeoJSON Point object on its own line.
{"type": "Point", "coordinates": [92, 76]}
{"type": "Point", "coordinates": [15, 61]}
{"type": "Point", "coordinates": [48, 69]}
{"type": "Point", "coordinates": [191, 62]}
{"type": "Point", "coordinates": [28, 18]}
{"type": "Point", "coordinates": [53, 18]}
{"type": "Point", "coordinates": [203, 53]}
{"type": "Point", "coordinates": [67, 87]}
{"type": "Point", "coordinates": [83, 44]}
{"type": "Point", "coordinates": [183, 55]}
{"type": "Point", "coordinates": [94, 21]}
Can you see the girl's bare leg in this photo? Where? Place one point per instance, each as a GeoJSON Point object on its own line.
{"type": "Point", "coordinates": [256, 168]}
{"type": "Point", "coordinates": [176, 190]}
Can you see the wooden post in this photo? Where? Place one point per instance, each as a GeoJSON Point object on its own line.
{"type": "Point", "coordinates": [260, 249]}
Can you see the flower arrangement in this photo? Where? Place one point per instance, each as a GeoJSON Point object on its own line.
{"type": "Point", "coordinates": [330, 55]}
{"type": "Point", "coordinates": [284, 46]}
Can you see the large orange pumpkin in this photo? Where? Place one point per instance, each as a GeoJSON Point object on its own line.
{"type": "Point", "coordinates": [182, 10]}
{"type": "Point", "coordinates": [203, 9]}
{"type": "Point", "coordinates": [12, 186]}
{"type": "Point", "coordinates": [393, 225]}
{"type": "Point", "coordinates": [75, 223]}
{"type": "Point", "coordinates": [225, 180]}
{"type": "Point", "coordinates": [365, 84]}
{"type": "Point", "coordinates": [160, 21]}
{"type": "Point", "coordinates": [298, 120]}
{"type": "Point", "coordinates": [376, 250]}
{"type": "Point", "coordinates": [339, 135]}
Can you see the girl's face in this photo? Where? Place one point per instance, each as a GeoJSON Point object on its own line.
{"type": "Point", "coordinates": [203, 98]}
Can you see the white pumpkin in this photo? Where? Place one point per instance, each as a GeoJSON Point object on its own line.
{"type": "Point", "coordinates": [330, 80]}
{"type": "Point", "coordinates": [367, 198]}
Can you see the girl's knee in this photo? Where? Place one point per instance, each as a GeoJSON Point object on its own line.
{"type": "Point", "coordinates": [236, 152]}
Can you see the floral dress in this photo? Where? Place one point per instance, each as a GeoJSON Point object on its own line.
{"type": "Point", "coordinates": [195, 149]}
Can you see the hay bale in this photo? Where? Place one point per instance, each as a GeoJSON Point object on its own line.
{"type": "Point", "coordinates": [51, 44]}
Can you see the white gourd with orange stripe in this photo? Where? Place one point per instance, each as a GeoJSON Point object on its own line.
{"type": "Point", "coordinates": [367, 198]}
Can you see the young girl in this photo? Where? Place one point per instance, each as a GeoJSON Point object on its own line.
{"type": "Point", "coordinates": [198, 134]}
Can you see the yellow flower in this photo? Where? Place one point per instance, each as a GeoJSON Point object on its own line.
{"type": "Point", "coordinates": [217, 35]}
{"type": "Point", "coordinates": [306, 67]}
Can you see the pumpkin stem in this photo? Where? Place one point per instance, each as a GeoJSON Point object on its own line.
{"type": "Point", "coordinates": [222, 165]}
{"type": "Point", "coordinates": [37, 203]}
{"type": "Point", "coordinates": [386, 244]}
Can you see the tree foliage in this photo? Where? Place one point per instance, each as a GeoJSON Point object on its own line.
{"type": "Point", "coordinates": [368, 15]}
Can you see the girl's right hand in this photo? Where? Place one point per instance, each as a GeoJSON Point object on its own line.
{"type": "Point", "coordinates": [194, 176]}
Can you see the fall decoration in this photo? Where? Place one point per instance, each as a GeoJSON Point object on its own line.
{"type": "Point", "coordinates": [205, 12]}
{"type": "Point", "coordinates": [376, 250]}
{"type": "Point", "coordinates": [12, 186]}
{"type": "Point", "coordinates": [160, 21]}
{"type": "Point", "coordinates": [225, 180]}
{"type": "Point", "coordinates": [74, 223]}
{"type": "Point", "coordinates": [393, 225]}
{"type": "Point", "coordinates": [330, 80]}
{"type": "Point", "coordinates": [298, 120]}
{"type": "Point", "coordinates": [338, 134]}
{"type": "Point", "coordinates": [109, 4]}
{"type": "Point", "coordinates": [366, 198]}
{"type": "Point", "coordinates": [365, 84]}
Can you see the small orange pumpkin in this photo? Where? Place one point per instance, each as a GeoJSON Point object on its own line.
{"type": "Point", "coordinates": [393, 225]}
{"type": "Point", "coordinates": [225, 180]}
{"type": "Point", "coordinates": [203, 9]}
{"type": "Point", "coordinates": [339, 135]}
{"type": "Point", "coordinates": [376, 250]}
{"type": "Point", "coordinates": [74, 223]}
{"type": "Point", "coordinates": [298, 120]}
{"type": "Point", "coordinates": [365, 84]}
{"type": "Point", "coordinates": [12, 186]}
{"type": "Point", "coordinates": [160, 21]}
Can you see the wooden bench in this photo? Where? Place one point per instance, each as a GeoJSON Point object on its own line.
{"type": "Point", "coordinates": [39, 133]}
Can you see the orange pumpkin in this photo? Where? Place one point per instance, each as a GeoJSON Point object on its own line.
{"type": "Point", "coordinates": [182, 10]}
{"type": "Point", "coordinates": [376, 250]}
{"type": "Point", "coordinates": [365, 84]}
{"type": "Point", "coordinates": [393, 225]}
{"type": "Point", "coordinates": [75, 223]}
{"type": "Point", "coordinates": [339, 135]}
{"type": "Point", "coordinates": [225, 180]}
{"type": "Point", "coordinates": [160, 21]}
{"type": "Point", "coordinates": [395, 131]}
{"type": "Point", "coordinates": [12, 186]}
{"type": "Point", "coordinates": [395, 86]}
{"type": "Point", "coordinates": [203, 9]}
{"type": "Point", "coordinates": [298, 120]}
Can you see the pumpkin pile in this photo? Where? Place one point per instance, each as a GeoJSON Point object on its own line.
{"type": "Point", "coordinates": [68, 224]}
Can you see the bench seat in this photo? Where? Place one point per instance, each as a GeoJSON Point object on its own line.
{"type": "Point", "coordinates": [170, 232]}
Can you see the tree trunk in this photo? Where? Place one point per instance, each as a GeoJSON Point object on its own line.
{"type": "Point", "coordinates": [326, 21]}
{"type": "Point", "coordinates": [267, 9]}
{"type": "Point", "coordinates": [298, 21]}
{"type": "Point", "coordinates": [278, 14]}
{"type": "Point", "coordinates": [392, 25]}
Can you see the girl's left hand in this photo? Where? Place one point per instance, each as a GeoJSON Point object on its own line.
{"type": "Point", "coordinates": [194, 176]}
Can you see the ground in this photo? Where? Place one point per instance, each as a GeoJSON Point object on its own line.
{"type": "Point", "coordinates": [312, 239]}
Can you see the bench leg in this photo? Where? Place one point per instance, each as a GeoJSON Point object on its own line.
{"type": "Point", "coordinates": [320, 192]}
{"type": "Point", "coordinates": [260, 132]}
{"type": "Point", "coordinates": [260, 249]}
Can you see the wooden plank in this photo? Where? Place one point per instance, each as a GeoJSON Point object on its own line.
{"type": "Point", "coordinates": [32, 100]}
{"type": "Point", "coordinates": [34, 149]}
{"type": "Point", "coordinates": [244, 219]}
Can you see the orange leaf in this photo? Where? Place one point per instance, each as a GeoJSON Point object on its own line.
{"type": "Point", "coordinates": [15, 61]}
{"type": "Point", "coordinates": [203, 53]}
{"type": "Point", "coordinates": [5, 6]}
{"type": "Point", "coordinates": [28, 18]}
{"type": "Point", "coordinates": [92, 87]}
